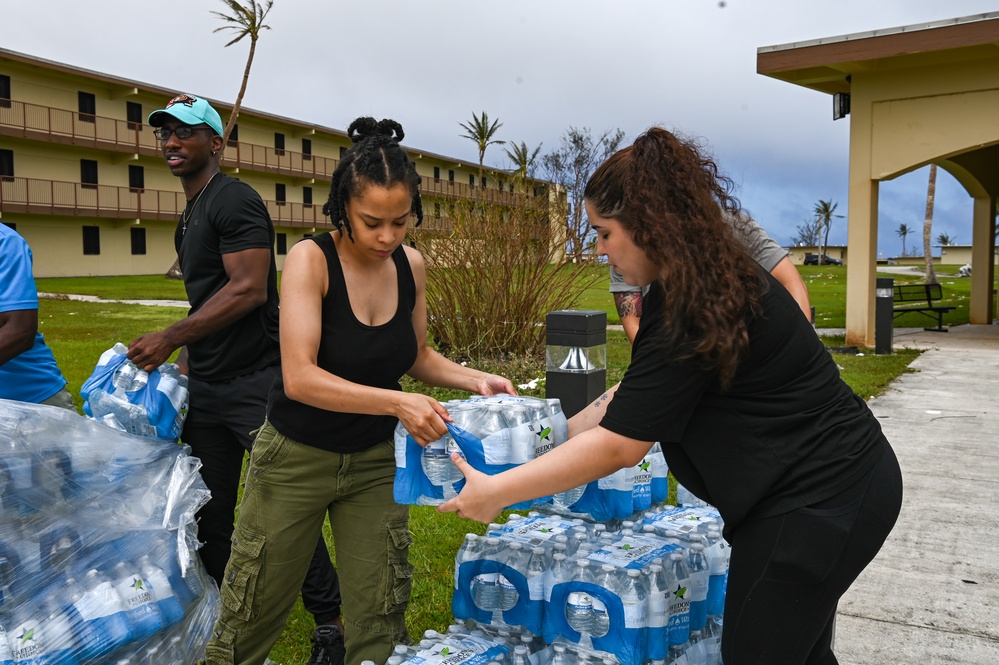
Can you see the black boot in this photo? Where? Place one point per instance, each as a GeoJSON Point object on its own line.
{"type": "Point", "coordinates": [327, 646]}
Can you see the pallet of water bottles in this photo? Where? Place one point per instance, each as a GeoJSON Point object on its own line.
{"type": "Point", "coordinates": [641, 590]}
{"type": "Point", "coordinates": [503, 431]}
{"type": "Point", "coordinates": [97, 543]}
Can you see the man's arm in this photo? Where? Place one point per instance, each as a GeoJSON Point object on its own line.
{"type": "Point", "coordinates": [787, 274]}
{"type": "Point", "coordinates": [245, 291]}
{"type": "Point", "coordinates": [629, 308]}
{"type": "Point", "coordinates": [17, 332]}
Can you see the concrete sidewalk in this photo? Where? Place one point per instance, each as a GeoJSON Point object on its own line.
{"type": "Point", "coordinates": [932, 594]}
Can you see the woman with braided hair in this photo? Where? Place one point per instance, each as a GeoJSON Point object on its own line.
{"type": "Point", "coordinates": [353, 321]}
{"type": "Point", "coordinates": [747, 404]}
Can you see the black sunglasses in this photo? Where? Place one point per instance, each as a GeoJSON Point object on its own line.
{"type": "Point", "coordinates": [182, 132]}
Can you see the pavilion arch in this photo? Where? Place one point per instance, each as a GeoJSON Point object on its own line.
{"type": "Point", "coordinates": [917, 95]}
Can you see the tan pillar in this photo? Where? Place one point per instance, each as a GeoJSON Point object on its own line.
{"type": "Point", "coordinates": [982, 306]}
{"type": "Point", "coordinates": [862, 239]}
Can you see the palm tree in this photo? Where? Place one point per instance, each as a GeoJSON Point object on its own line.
{"type": "Point", "coordinates": [824, 214]}
{"type": "Point", "coordinates": [902, 231]}
{"type": "Point", "coordinates": [931, 189]}
{"type": "Point", "coordinates": [523, 159]}
{"type": "Point", "coordinates": [481, 132]}
{"type": "Point", "coordinates": [245, 20]}
{"type": "Point", "coordinates": [945, 239]}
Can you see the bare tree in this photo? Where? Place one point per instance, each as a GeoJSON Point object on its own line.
{"type": "Point", "coordinates": [246, 20]}
{"type": "Point", "coordinates": [481, 132]}
{"type": "Point", "coordinates": [569, 168]}
{"type": "Point", "coordinates": [931, 189]}
{"type": "Point", "coordinates": [809, 233]}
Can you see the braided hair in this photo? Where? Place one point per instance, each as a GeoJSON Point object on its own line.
{"type": "Point", "coordinates": [376, 158]}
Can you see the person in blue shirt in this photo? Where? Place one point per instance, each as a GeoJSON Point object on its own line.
{"type": "Point", "coordinates": [28, 370]}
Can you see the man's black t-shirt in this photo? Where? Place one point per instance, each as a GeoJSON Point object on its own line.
{"type": "Point", "coordinates": [787, 433]}
{"type": "Point", "coordinates": [228, 217]}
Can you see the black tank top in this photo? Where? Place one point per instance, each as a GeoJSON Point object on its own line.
{"type": "Point", "coordinates": [374, 356]}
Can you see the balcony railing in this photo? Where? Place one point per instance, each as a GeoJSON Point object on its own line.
{"type": "Point", "coordinates": [55, 125]}
{"type": "Point", "coordinates": [53, 197]}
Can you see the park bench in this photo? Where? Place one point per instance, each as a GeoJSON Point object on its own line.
{"type": "Point", "coordinates": [921, 298]}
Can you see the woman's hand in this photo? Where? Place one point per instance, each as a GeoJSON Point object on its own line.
{"type": "Point", "coordinates": [423, 417]}
{"type": "Point", "coordinates": [478, 498]}
{"type": "Point", "coordinates": [493, 384]}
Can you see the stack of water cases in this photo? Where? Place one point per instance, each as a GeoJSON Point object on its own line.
{"type": "Point", "coordinates": [124, 397]}
{"type": "Point", "coordinates": [97, 538]}
{"type": "Point", "coordinates": [646, 590]}
{"type": "Point", "coordinates": [497, 433]}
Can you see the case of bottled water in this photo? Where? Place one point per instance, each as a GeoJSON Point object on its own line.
{"type": "Point", "coordinates": [493, 433]}
{"type": "Point", "coordinates": [97, 544]}
{"type": "Point", "coordinates": [126, 398]}
{"type": "Point", "coordinates": [644, 590]}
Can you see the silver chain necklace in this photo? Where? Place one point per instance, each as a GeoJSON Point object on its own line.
{"type": "Point", "coordinates": [186, 216]}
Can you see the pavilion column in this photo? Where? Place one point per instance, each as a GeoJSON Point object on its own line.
{"type": "Point", "coordinates": [982, 308]}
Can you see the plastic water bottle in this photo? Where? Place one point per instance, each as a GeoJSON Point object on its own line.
{"type": "Point", "coordinates": [437, 465]}
{"type": "Point", "coordinates": [641, 492]}
{"type": "Point", "coordinates": [679, 600]}
{"type": "Point", "coordinates": [558, 573]}
{"type": "Point", "coordinates": [42, 637]}
{"type": "Point", "coordinates": [633, 593]}
{"type": "Point", "coordinates": [579, 604]}
{"type": "Point", "coordinates": [166, 600]}
{"type": "Point", "coordinates": [516, 558]}
{"type": "Point", "coordinates": [537, 566]}
{"type": "Point", "coordinates": [563, 500]}
{"type": "Point", "coordinates": [718, 554]}
{"type": "Point", "coordinates": [140, 607]}
{"type": "Point", "coordinates": [712, 640]}
{"type": "Point", "coordinates": [521, 655]}
{"type": "Point", "coordinates": [699, 574]}
{"type": "Point", "coordinates": [608, 579]}
{"type": "Point", "coordinates": [102, 611]}
{"type": "Point", "coordinates": [658, 611]}
{"type": "Point", "coordinates": [559, 656]}
{"type": "Point", "coordinates": [469, 551]}
{"type": "Point", "coordinates": [521, 449]}
{"type": "Point", "coordinates": [123, 376]}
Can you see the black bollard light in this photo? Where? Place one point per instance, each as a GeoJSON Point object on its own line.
{"type": "Point", "coordinates": [576, 357]}
{"type": "Point", "coordinates": [884, 316]}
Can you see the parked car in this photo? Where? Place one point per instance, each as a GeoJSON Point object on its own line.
{"type": "Point", "coordinates": [813, 260]}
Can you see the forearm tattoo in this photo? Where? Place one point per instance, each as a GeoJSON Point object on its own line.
{"type": "Point", "coordinates": [629, 303]}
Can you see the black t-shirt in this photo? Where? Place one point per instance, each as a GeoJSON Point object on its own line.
{"type": "Point", "coordinates": [375, 356]}
{"type": "Point", "coordinates": [787, 433]}
{"type": "Point", "coordinates": [228, 217]}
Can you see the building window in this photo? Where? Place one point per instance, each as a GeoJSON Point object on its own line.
{"type": "Point", "coordinates": [91, 240]}
{"type": "Point", "coordinates": [306, 149]}
{"type": "Point", "coordinates": [471, 180]}
{"type": "Point", "coordinates": [307, 197]}
{"type": "Point", "coordinates": [483, 182]}
{"type": "Point", "coordinates": [282, 243]}
{"type": "Point", "coordinates": [4, 91]}
{"type": "Point", "coordinates": [88, 106]}
{"type": "Point", "coordinates": [278, 143]}
{"type": "Point", "coordinates": [437, 173]}
{"type": "Point", "coordinates": [450, 175]}
{"type": "Point", "coordinates": [88, 173]}
{"type": "Point", "coordinates": [343, 151]}
{"type": "Point", "coordinates": [437, 210]}
{"type": "Point", "coordinates": [280, 193]}
{"type": "Point", "coordinates": [6, 164]}
{"type": "Point", "coordinates": [233, 135]}
{"type": "Point", "coordinates": [133, 113]}
{"type": "Point", "coordinates": [138, 241]}
{"type": "Point", "coordinates": [136, 178]}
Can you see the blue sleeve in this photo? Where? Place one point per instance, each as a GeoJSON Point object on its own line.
{"type": "Point", "coordinates": [17, 284]}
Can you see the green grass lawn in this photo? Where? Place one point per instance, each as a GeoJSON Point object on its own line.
{"type": "Point", "coordinates": [78, 332]}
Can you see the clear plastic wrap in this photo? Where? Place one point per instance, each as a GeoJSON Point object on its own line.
{"type": "Point", "coordinates": [97, 544]}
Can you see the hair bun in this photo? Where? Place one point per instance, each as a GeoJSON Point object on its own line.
{"type": "Point", "coordinates": [367, 127]}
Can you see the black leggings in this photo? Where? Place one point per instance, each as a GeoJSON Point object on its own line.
{"type": "Point", "coordinates": [788, 572]}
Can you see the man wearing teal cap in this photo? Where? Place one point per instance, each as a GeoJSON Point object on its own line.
{"type": "Point", "coordinates": [229, 340]}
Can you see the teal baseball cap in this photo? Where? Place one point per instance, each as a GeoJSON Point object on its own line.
{"type": "Point", "coordinates": [190, 110]}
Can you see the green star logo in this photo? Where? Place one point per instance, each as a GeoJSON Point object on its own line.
{"type": "Point", "coordinates": [445, 651]}
{"type": "Point", "coordinates": [137, 584]}
{"type": "Point", "coordinates": [546, 433]}
{"type": "Point", "coordinates": [626, 547]}
{"type": "Point", "coordinates": [680, 592]}
{"type": "Point", "coordinates": [26, 635]}
{"type": "Point", "coordinates": [644, 466]}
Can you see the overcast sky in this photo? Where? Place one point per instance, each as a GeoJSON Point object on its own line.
{"type": "Point", "coordinates": [539, 66]}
